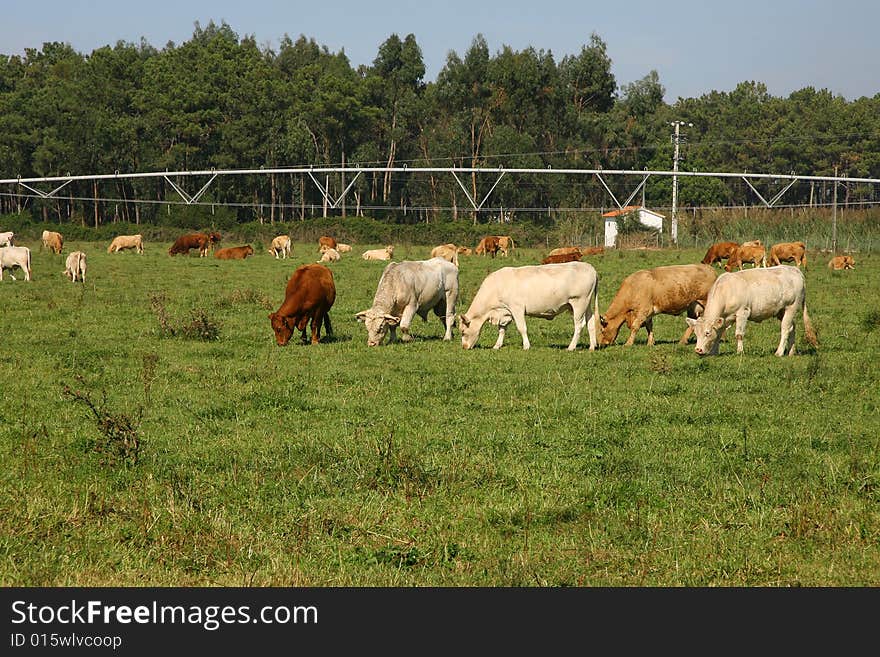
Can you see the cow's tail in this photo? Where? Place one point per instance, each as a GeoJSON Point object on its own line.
{"type": "Point", "coordinates": [809, 331]}
{"type": "Point", "coordinates": [28, 276]}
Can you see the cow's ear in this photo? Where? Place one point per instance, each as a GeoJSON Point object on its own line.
{"type": "Point", "coordinates": [691, 321]}
{"type": "Point", "coordinates": [602, 320]}
{"type": "Point", "coordinates": [464, 320]}
{"type": "Point", "coordinates": [392, 320]}
{"type": "Point", "coordinates": [718, 323]}
{"type": "Point", "coordinates": [272, 316]}
{"type": "Point", "coordinates": [361, 316]}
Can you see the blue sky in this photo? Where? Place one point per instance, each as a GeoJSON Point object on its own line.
{"type": "Point", "coordinates": [695, 47]}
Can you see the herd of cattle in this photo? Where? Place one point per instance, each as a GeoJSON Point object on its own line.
{"type": "Point", "coordinates": [563, 282]}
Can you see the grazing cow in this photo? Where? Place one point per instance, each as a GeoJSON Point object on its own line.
{"type": "Point", "coordinates": [757, 255]}
{"type": "Point", "coordinates": [7, 238]}
{"type": "Point", "coordinates": [379, 254]}
{"type": "Point", "coordinates": [15, 256]}
{"type": "Point", "coordinates": [75, 267]}
{"type": "Point", "coordinates": [788, 252]}
{"type": "Point", "coordinates": [561, 257]}
{"type": "Point", "coordinates": [447, 252]}
{"type": "Point", "coordinates": [669, 290]}
{"type": "Point", "coordinates": [514, 293]}
{"type": "Point", "coordinates": [563, 250]}
{"type": "Point", "coordinates": [184, 243]}
{"type": "Point", "coordinates": [842, 262]}
{"type": "Point", "coordinates": [53, 241]}
{"type": "Point", "coordinates": [342, 247]}
{"type": "Point", "coordinates": [752, 243]}
{"type": "Point", "coordinates": [325, 242]}
{"type": "Point", "coordinates": [465, 250]}
{"type": "Point", "coordinates": [234, 252]}
{"type": "Point", "coordinates": [753, 295]}
{"type": "Point", "coordinates": [407, 289]}
{"type": "Point", "coordinates": [488, 244]}
{"type": "Point", "coordinates": [329, 255]}
{"type": "Point", "coordinates": [123, 242]}
{"type": "Point", "coordinates": [309, 295]}
{"type": "Point", "coordinates": [505, 244]}
{"type": "Point", "coordinates": [281, 246]}
{"type": "Point", "coordinates": [719, 251]}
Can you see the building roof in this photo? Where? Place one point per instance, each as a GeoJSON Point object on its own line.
{"type": "Point", "coordinates": [628, 209]}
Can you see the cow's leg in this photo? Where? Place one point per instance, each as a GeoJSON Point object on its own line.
{"type": "Point", "coordinates": [500, 341]}
{"type": "Point", "coordinates": [577, 314]}
{"type": "Point", "coordinates": [786, 332]}
{"type": "Point", "coordinates": [519, 317]}
{"type": "Point", "coordinates": [634, 322]}
{"type": "Point", "coordinates": [405, 321]}
{"type": "Point", "coordinates": [445, 319]}
{"type": "Point", "coordinates": [742, 318]}
{"type": "Point", "coordinates": [649, 325]}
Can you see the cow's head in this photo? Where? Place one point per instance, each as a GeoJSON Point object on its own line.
{"type": "Point", "coordinates": [607, 333]}
{"type": "Point", "coordinates": [470, 331]}
{"type": "Point", "coordinates": [708, 333]}
{"type": "Point", "coordinates": [377, 324]}
{"type": "Point", "coordinates": [283, 327]}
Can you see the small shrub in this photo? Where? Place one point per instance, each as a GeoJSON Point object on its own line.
{"type": "Point", "coordinates": [199, 327]}
{"type": "Point", "coordinates": [871, 320]}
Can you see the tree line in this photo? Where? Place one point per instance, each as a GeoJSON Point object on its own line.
{"type": "Point", "coordinates": [221, 101]}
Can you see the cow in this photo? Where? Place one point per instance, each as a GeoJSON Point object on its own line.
{"type": "Point", "coordinates": [788, 252]}
{"type": "Point", "coordinates": [505, 244]}
{"type": "Point", "coordinates": [281, 246]}
{"type": "Point", "coordinates": [75, 267]}
{"type": "Point", "coordinates": [489, 244]}
{"type": "Point", "coordinates": [592, 250]}
{"type": "Point", "coordinates": [15, 256]}
{"type": "Point", "coordinates": [325, 242]}
{"type": "Point", "coordinates": [514, 293]}
{"type": "Point", "coordinates": [214, 239]}
{"type": "Point", "coordinates": [562, 257]}
{"type": "Point", "coordinates": [752, 243]}
{"type": "Point", "coordinates": [343, 248]}
{"type": "Point", "coordinates": [447, 252]}
{"type": "Point", "coordinates": [465, 250]}
{"type": "Point", "coordinates": [234, 252]}
{"type": "Point", "coordinates": [309, 295]}
{"type": "Point", "coordinates": [668, 290]}
{"type": "Point", "coordinates": [753, 295]}
{"type": "Point", "coordinates": [184, 243]}
{"type": "Point", "coordinates": [123, 242]}
{"type": "Point", "coordinates": [379, 254]}
{"type": "Point", "coordinates": [53, 241]}
{"type": "Point", "coordinates": [407, 289]}
{"type": "Point", "coordinates": [757, 255]}
{"type": "Point", "coordinates": [329, 255]}
{"type": "Point", "coordinates": [719, 251]}
{"type": "Point", "coordinates": [842, 262]}
{"type": "Point", "coordinates": [563, 250]}
{"type": "Point", "coordinates": [7, 238]}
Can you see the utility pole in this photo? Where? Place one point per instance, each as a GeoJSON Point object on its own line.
{"type": "Point", "coordinates": [834, 218]}
{"type": "Point", "coordinates": [676, 140]}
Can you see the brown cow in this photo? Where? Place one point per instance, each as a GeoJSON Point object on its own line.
{"type": "Point", "coordinates": [592, 250]}
{"type": "Point", "coordinates": [788, 252]}
{"type": "Point", "coordinates": [562, 257]}
{"type": "Point", "coordinates": [214, 239]}
{"type": "Point", "coordinates": [309, 295]}
{"type": "Point", "coordinates": [505, 244]}
{"type": "Point", "coordinates": [719, 251]}
{"type": "Point", "coordinates": [184, 243]}
{"type": "Point", "coordinates": [488, 244]}
{"type": "Point", "coordinates": [757, 255]}
{"type": "Point", "coordinates": [668, 290]}
{"type": "Point", "coordinates": [559, 250]}
{"type": "Point", "coordinates": [325, 242]}
{"type": "Point", "coordinates": [234, 252]}
{"type": "Point", "coordinates": [53, 241]}
{"type": "Point", "coordinates": [842, 262]}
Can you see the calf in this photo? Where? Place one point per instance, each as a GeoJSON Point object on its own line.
{"type": "Point", "coordinates": [842, 262]}
{"type": "Point", "coordinates": [788, 252]}
{"type": "Point", "coordinates": [234, 252]}
{"type": "Point", "coordinates": [122, 242]}
{"type": "Point", "coordinates": [757, 255]}
{"type": "Point", "coordinates": [329, 255]}
{"type": "Point", "coordinates": [75, 267]}
{"type": "Point", "coordinates": [281, 246]}
{"type": "Point", "coordinates": [719, 251]}
{"type": "Point", "coordinates": [15, 256]}
{"type": "Point", "coordinates": [562, 250]}
{"type": "Point", "coordinates": [561, 257]}
{"type": "Point", "coordinates": [343, 248]}
{"type": "Point", "coordinates": [669, 290]}
{"type": "Point", "coordinates": [753, 295]}
{"type": "Point", "coordinates": [465, 250]}
{"type": "Point", "coordinates": [53, 241]}
{"type": "Point", "coordinates": [379, 254]}
{"type": "Point", "coordinates": [447, 252]}
{"type": "Point", "coordinates": [309, 295]}
{"type": "Point", "coordinates": [505, 244]}
{"type": "Point", "coordinates": [7, 238]}
{"type": "Point", "coordinates": [488, 244]}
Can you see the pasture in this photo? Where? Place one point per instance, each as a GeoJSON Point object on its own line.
{"type": "Point", "coordinates": [229, 461]}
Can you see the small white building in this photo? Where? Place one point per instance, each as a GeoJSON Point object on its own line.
{"type": "Point", "coordinates": [648, 218]}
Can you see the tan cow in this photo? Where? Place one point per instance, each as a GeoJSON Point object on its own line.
{"type": "Point", "coordinates": [447, 252]}
{"type": "Point", "coordinates": [379, 254]}
{"type": "Point", "coordinates": [281, 247]}
{"type": "Point", "coordinates": [752, 243]}
{"type": "Point", "coordinates": [669, 290]}
{"type": "Point", "coordinates": [343, 248]}
{"type": "Point", "coordinates": [562, 250]}
{"type": "Point", "coordinates": [842, 262]}
{"type": "Point", "coordinates": [465, 250]}
{"type": "Point", "coordinates": [757, 255]}
{"type": "Point", "coordinates": [719, 251]}
{"type": "Point", "coordinates": [7, 238]}
{"type": "Point", "coordinates": [123, 242]}
{"type": "Point", "coordinates": [329, 255]}
{"type": "Point", "coordinates": [75, 267]}
{"type": "Point", "coordinates": [592, 250]}
{"type": "Point", "coordinates": [53, 241]}
{"type": "Point", "coordinates": [788, 252]}
{"type": "Point", "coordinates": [505, 244]}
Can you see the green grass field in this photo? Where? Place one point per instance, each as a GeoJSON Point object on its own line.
{"type": "Point", "coordinates": [423, 464]}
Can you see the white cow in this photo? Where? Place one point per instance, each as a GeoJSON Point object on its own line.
{"type": "Point", "coordinates": [7, 238]}
{"type": "Point", "coordinates": [343, 248]}
{"type": "Point", "coordinates": [75, 267]}
{"type": "Point", "coordinates": [329, 255]}
{"type": "Point", "coordinates": [379, 254]}
{"type": "Point", "coordinates": [281, 246]}
{"type": "Point", "coordinates": [753, 295]}
{"type": "Point", "coordinates": [407, 289]}
{"type": "Point", "coordinates": [514, 293]}
{"type": "Point", "coordinates": [15, 256]}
